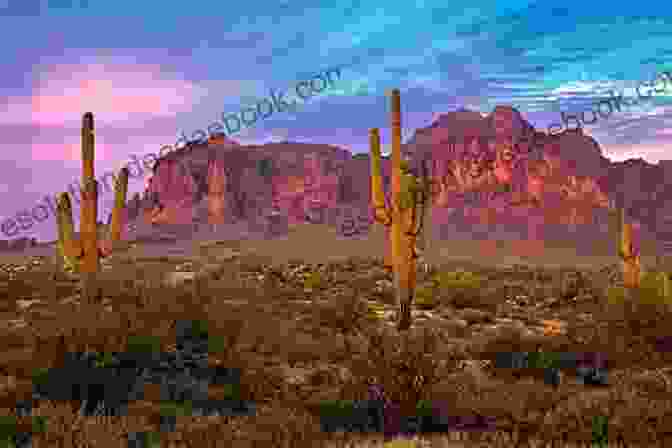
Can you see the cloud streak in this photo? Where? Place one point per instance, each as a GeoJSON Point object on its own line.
{"type": "Point", "coordinates": [119, 93]}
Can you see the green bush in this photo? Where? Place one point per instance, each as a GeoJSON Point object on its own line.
{"type": "Point", "coordinates": [600, 430]}
{"type": "Point", "coordinates": [216, 344]}
{"type": "Point", "coordinates": [616, 295]}
{"type": "Point", "coordinates": [198, 328]}
{"type": "Point", "coordinates": [169, 409]}
{"type": "Point", "coordinates": [542, 360]}
{"type": "Point", "coordinates": [143, 344]}
{"type": "Point", "coordinates": [152, 439]}
{"type": "Point", "coordinates": [336, 408]}
{"type": "Point", "coordinates": [401, 443]}
{"type": "Point", "coordinates": [458, 280]}
{"type": "Point", "coordinates": [425, 297]}
{"type": "Point", "coordinates": [651, 291]}
{"type": "Point", "coordinates": [103, 359]}
{"type": "Point", "coordinates": [651, 288]}
{"type": "Point", "coordinates": [424, 408]}
{"type": "Point", "coordinates": [374, 310]}
{"type": "Point", "coordinates": [7, 427]}
{"type": "Point", "coordinates": [40, 376]}
{"type": "Point", "coordinates": [39, 424]}
{"type": "Point", "coordinates": [313, 280]}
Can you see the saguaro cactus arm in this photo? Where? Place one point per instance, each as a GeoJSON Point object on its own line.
{"type": "Point", "coordinates": [382, 213]}
{"type": "Point", "coordinates": [629, 256]}
{"type": "Point", "coordinates": [120, 191]}
{"type": "Point", "coordinates": [408, 201]}
{"type": "Point", "coordinates": [421, 194]}
{"type": "Point", "coordinates": [70, 248]}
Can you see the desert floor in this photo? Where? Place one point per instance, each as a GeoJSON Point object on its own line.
{"type": "Point", "coordinates": [310, 318]}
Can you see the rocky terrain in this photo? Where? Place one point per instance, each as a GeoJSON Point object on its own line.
{"type": "Point", "coordinates": [206, 351]}
{"type": "Point", "coordinates": [492, 175]}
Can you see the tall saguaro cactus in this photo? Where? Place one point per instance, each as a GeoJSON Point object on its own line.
{"type": "Point", "coordinates": [83, 255]}
{"type": "Point", "coordinates": [630, 257]}
{"type": "Point", "coordinates": [400, 216]}
{"type": "Point", "coordinates": [89, 209]}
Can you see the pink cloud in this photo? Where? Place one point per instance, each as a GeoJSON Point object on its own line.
{"type": "Point", "coordinates": [114, 92]}
{"type": "Point", "coordinates": [107, 155]}
{"type": "Point", "coordinates": [652, 153]}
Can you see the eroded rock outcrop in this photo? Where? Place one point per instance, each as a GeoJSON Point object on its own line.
{"type": "Point", "coordinates": [493, 176]}
{"type": "Point", "coordinates": [499, 176]}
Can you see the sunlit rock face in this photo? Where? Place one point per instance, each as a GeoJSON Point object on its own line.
{"type": "Point", "coordinates": [493, 172]}
{"type": "Point", "coordinates": [505, 161]}
{"type": "Point", "coordinates": [305, 186]}
{"type": "Point", "coordinates": [498, 171]}
{"type": "Point", "coordinates": [176, 190]}
{"type": "Point", "coordinates": [219, 203]}
{"type": "Point", "coordinates": [223, 182]}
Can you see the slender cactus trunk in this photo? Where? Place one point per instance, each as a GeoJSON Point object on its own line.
{"type": "Point", "coordinates": [427, 207]}
{"type": "Point", "coordinates": [90, 264]}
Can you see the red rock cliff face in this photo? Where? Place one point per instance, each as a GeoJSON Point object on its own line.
{"type": "Point", "coordinates": [489, 173]}
{"type": "Point", "coordinates": [176, 188]}
{"type": "Point", "coordinates": [219, 209]}
{"type": "Point", "coordinates": [218, 183]}
{"type": "Point", "coordinates": [494, 176]}
{"type": "Point", "coordinates": [307, 188]}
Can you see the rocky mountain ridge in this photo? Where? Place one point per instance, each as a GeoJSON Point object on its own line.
{"type": "Point", "coordinates": [493, 177]}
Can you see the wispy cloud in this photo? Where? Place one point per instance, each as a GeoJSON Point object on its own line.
{"type": "Point", "coordinates": [116, 93]}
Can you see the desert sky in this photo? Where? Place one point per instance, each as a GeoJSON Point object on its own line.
{"type": "Point", "coordinates": [150, 71]}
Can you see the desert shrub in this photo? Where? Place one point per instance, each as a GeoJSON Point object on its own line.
{"type": "Point", "coordinates": [457, 279]}
{"type": "Point", "coordinates": [616, 295]}
{"type": "Point", "coordinates": [426, 297]}
{"type": "Point", "coordinates": [652, 288]}
{"type": "Point", "coordinates": [346, 415]}
{"type": "Point", "coordinates": [401, 443]}
{"type": "Point", "coordinates": [173, 408]}
{"type": "Point", "coordinates": [461, 288]}
{"type": "Point", "coordinates": [543, 360]}
{"type": "Point", "coordinates": [8, 430]}
{"type": "Point", "coordinates": [313, 280]}
{"type": "Point", "coordinates": [143, 344]}
{"type": "Point", "coordinates": [375, 311]}
{"type": "Point", "coordinates": [103, 359]}
{"type": "Point", "coordinates": [650, 292]}
{"type": "Point", "coordinates": [347, 314]}
{"type": "Point", "coordinates": [631, 326]}
{"type": "Point", "coordinates": [40, 376]}
{"type": "Point", "coordinates": [405, 365]}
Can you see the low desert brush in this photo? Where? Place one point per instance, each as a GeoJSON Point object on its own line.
{"type": "Point", "coordinates": [450, 285]}
{"type": "Point", "coordinates": [654, 289]}
{"type": "Point", "coordinates": [313, 280]}
{"type": "Point", "coordinates": [457, 280]}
